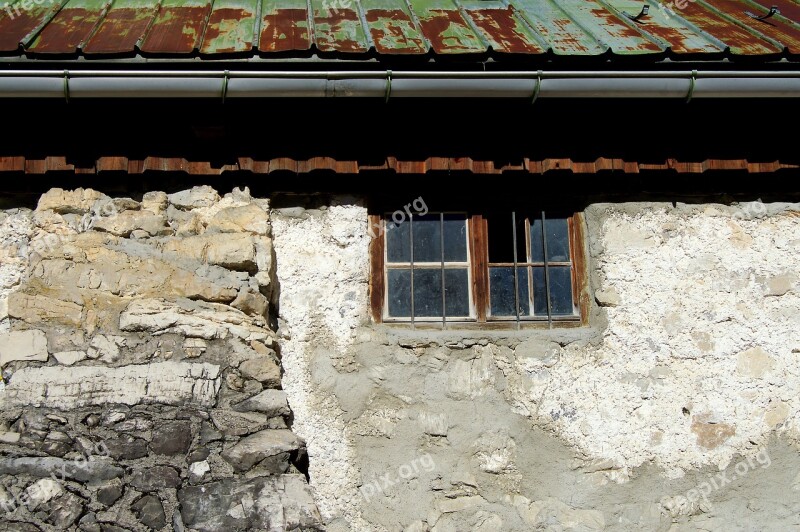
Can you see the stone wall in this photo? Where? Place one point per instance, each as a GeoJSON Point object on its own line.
{"type": "Point", "coordinates": [182, 361]}
{"type": "Point", "coordinates": [141, 381]}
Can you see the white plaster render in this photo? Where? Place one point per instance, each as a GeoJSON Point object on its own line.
{"type": "Point", "coordinates": [322, 259]}
{"type": "Point", "coordinates": [691, 295]}
{"type": "Point", "coordinates": [692, 285]}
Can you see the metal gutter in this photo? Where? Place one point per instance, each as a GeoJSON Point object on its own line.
{"type": "Point", "coordinates": [396, 84]}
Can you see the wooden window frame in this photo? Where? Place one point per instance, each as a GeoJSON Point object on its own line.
{"type": "Point", "coordinates": [478, 259]}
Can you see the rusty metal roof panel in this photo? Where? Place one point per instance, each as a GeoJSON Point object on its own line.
{"type": "Point", "coordinates": [123, 27]}
{"type": "Point", "coordinates": [776, 28]}
{"type": "Point", "coordinates": [338, 26]}
{"type": "Point", "coordinates": [366, 29]}
{"type": "Point", "coordinates": [609, 28]}
{"type": "Point", "coordinates": [392, 27]}
{"type": "Point", "coordinates": [178, 27]}
{"type": "Point", "coordinates": [505, 30]}
{"type": "Point", "coordinates": [563, 34]}
{"type": "Point", "coordinates": [70, 28]}
{"type": "Point", "coordinates": [680, 36]}
{"type": "Point", "coordinates": [445, 27]}
{"type": "Point", "coordinates": [18, 24]}
{"type": "Point", "coordinates": [231, 27]}
{"type": "Point", "coordinates": [284, 27]}
{"type": "Point", "coordinates": [741, 39]}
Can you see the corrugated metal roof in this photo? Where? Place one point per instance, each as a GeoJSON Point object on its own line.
{"type": "Point", "coordinates": [395, 165]}
{"type": "Point", "coordinates": [702, 29]}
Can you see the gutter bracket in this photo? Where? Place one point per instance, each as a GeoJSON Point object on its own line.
{"type": "Point", "coordinates": [692, 83]}
{"type": "Point", "coordinates": [226, 76]}
{"type": "Point", "coordinates": [538, 87]}
{"type": "Point", "coordinates": [66, 86]}
{"type": "Point", "coordinates": [388, 86]}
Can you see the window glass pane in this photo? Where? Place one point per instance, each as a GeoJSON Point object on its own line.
{"type": "Point", "coordinates": [501, 237]}
{"type": "Point", "coordinates": [560, 290]}
{"type": "Point", "coordinates": [427, 239]}
{"type": "Point", "coordinates": [399, 288]}
{"type": "Point", "coordinates": [398, 245]}
{"type": "Point", "coordinates": [557, 239]}
{"type": "Point", "coordinates": [455, 238]}
{"type": "Point", "coordinates": [427, 292]}
{"type": "Point", "coordinates": [456, 291]}
{"type": "Point", "coordinates": [537, 248]}
{"type": "Point", "coordinates": [501, 290]}
{"type": "Point", "coordinates": [539, 292]}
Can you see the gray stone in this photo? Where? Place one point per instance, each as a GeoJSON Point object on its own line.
{"type": "Point", "coordinates": [126, 447]}
{"type": "Point", "coordinates": [172, 438]}
{"type": "Point", "coordinates": [238, 423]}
{"type": "Point", "coordinates": [150, 512]}
{"type": "Point", "coordinates": [203, 196]}
{"type": "Point", "coordinates": [23, 345]}
{"type": "Point", "coordinates": [269, 402]}
{"type": "Point", "coordinates": [250, 302]}
{"type": "Point", "coordinates": [109, 493]}
{"type": "Point", "coordinates": [92, 470]}
{"type": "Point", "coordinates": [253, 449]}
{"type": "Point", "coordinates": [263, 369]}
{"type": "Point", "coordinates": [208, 433]}
{"type": "Point", "coordinates": [88, 523]}
{"type": "Point", "coordinates": [155, 478]}
{"type": "Point", "coordinates": [199, 455]}
{"type": "Point", "coordinates": [274, 503]}
{"type": "Point", "coordinates": [65, 510]}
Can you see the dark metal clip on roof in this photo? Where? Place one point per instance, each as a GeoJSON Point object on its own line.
{"type": "Point", "coordinates": [643, 13]}
{"type": "Point", "coordinates": [772, 11]}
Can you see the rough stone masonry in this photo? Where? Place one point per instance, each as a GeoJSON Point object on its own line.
{"type": "Point", "coordinates": [142, 385]}
{"type": "Point", "coordinates": [182, 361]}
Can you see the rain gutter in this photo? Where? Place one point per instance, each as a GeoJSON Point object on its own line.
{"type": "Point", "coordinates": [532, 85]}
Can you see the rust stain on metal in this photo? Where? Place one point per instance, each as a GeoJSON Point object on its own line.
{"type": "Point", "coordinates": [119, 32]}
{"type": "Point", "coordinates": [177, 30]}
{"type": "Point", "coordinates": [774, 27]}
{"type": "Point", "coordinates": [226, 33]}
{"type": "Point", "coordinates": [13, 30]}
{"type": "Point", "coordinates": [285, 30]}
{"type": "Point", "coordinates": [679, 42]}
{"type": "Point", "coordinates": [449, 33]}
{"type": "Point", "coordinates": [394, 32]}
{"type": "Point", "coordinates": [625, 37]}
{"type": "Point", "coordinates": [788, 8]}
{"type": "Point", "coordinates": [338, 31]}
{"type": "Point", "coordinates": [66, 31]}
{"type": "Point", "coordinates": [504, 30]}
{"type": "Point", "coordinates": [738, 39]}
{"type": "Point", "coordinates": [566, 40]}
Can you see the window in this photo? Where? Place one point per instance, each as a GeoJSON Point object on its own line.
{"type": "Point", "coordinates": [500, 267]}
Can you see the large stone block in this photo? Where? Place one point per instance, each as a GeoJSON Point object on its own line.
{"type": "Point", "coordinates": [252, 449]}
{"type": "Point", "coordinates": [265, 503]}
{"type": "Point", "coordinates": [191, 318]}
{"type": "Point", "coordinates": [23, 345]}
{"type": "Point", "coordinates": [169, 383]}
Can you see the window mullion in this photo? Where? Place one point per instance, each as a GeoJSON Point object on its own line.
{"type": "Point", "coordinates": [546, 275]}
{"type": "Point", "coordinates": [411, 252]}
{"type": "Point", "coordinates": [516, 280]}
{"type": "Point", "coordinates": [441, 242]}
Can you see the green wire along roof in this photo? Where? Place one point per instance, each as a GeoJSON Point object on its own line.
{"type": "Point", "coordinates": [696, 30]}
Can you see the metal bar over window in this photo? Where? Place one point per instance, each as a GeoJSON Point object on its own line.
{"type": "Point", "coordinates": [546, 275]}
{"type": "Point", "coordinates": [411, 251]}
{"type": "Point", "coordinates": [516, 280]}
{"type": "Point", "coordinates": [441, 242]}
